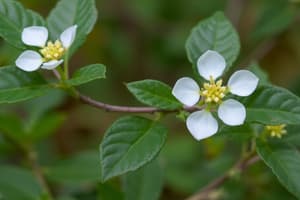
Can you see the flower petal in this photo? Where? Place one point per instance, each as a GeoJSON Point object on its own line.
{"type": "Point", "coordinates": [187, 91]}
{"type": "Point", "coordinates": [29, 61]}
{"type": "Point", "coordinates": [68, 36]}
{"type": "Point", "coordinates": [242, 83]}
{"type": "Point", "coordinates": [51, 64]}
{"type": "Point", "coordinates": [35, 36]}
{"type": "Point", "coordinates": [232, 112]}
{"type": "Point", "coordinates": [201, 124]}
{"type": "Point", "coordinates": [211, 63]}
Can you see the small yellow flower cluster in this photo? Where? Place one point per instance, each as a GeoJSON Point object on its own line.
{"type": "Point", "coordinates": [53, 51]}
{"type": "Point", "coordinates": [276, 130]}
{"type": "Point", "coordinates": [213, 91]}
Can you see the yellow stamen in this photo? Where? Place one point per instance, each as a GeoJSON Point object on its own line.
{"type": "Point", "coordinates": [276, 130]}
{"type": "Point", "coordinates": [213, 91]}
{"type": "Point", "coordinates": [53, 51]}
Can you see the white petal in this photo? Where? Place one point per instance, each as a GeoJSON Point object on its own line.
{"type": "Point", "coordinates": [35, 36]}
{"type": "Point", "coordinates": [29, 61]}
{"type": "Point", "coordinates": [242, 83]}
{"type": "Point", "coordinates": [211, 63]}
{"type": "Point", "coordinates": [187, 91]}
{"type": "Point", "coordinates": [51, 64]}
{"type": "Point", "coordinates": [201, 124]}
{"type": "Point", "coordinates": [68, 36]}
{"type": "Point", "coordinates": [232, 112]}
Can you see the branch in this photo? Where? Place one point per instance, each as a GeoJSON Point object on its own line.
{"type": "Point", "coordinates": [128, 109]}
{"type": "Point", "coordinates": [206, 192]}
{"type": "Point", "coordinates": [114, 108]}
{"type": "Point", "coordinates": [38, 173]}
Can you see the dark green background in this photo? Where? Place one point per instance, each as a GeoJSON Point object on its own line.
{"type": "Point", "coordinates": [144, 39]}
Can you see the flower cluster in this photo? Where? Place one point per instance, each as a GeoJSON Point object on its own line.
{"type": "Point", "coordinates": [276, 130]}
{"type": "Point", "coordinates": [211, 66]}
{"type": "Point", "coordinates": [51, 53]}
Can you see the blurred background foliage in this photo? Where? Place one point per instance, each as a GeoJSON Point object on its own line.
{"type": "Point", "coordinates": [143, 39]}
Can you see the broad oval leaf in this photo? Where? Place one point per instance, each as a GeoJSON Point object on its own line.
{"type": "Point", "coordinates": [13, 19]}
{"type": "Point", "coordinates": [87, 74]}
{"type": "Point", "coordinates": [214, 33]}
{"type": "Point", "coordinates": [145, 183]}
{"type": "Point", "coordinates": [130, 143]}
{"type": "Point", "coordinates": [284, 160]}
{"type": "Point", "coordinates": [154, 93]}
{"type": "Point", "coordinates": [17, 183]}
{"type": "Point", "coordinates": [68, 13]}
{"type": "Point", "coordinates": [272, 105]}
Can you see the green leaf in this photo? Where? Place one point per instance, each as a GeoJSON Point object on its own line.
{"type": "Point", "coordinates": [154, 93]}
{"type": "Point", "coordinates": [67, 13]}
{"type": "Point", "coordinates": [87, 74]}
{"type": "Point", "coordinates": [284, 160]}
{"type": "Point", "coordinates": [214, 33]}
{"type": "Point", "coordinates": [144, 184]}
{"type": "Point", "coordinates": [15, 95]}
{"type": "Point", "coordinates": [130, 143]}
{"type": "Point", "coordinates": [12, 77]}
{"type": "Point", "coordinates": [272, 105]}
{"type": "Point", "coordinates": [81, 168]}
{"type": "Point", "coordinates": [17, 183]}
{"type": "Point", "coordinates": [17, 85]}
{"type": "Point", "coordinates": [292, 136]}
{"type": "Point", "coordinates": [237, 133]}
{"type": "Point", "coordinates": [13, 19]}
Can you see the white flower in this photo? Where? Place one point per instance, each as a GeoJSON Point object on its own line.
{"type": "Point", "coordinates": [210, 66]}
{"type": "Point", "coordinates": [50, 54]}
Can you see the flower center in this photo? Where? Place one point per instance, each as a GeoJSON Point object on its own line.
{"type": "Point", "coordinates": [213, 91]}
{"type": "Point", "coordinates": [53, 51]}
{"type": "Point", "coordinates": [277, 130]}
